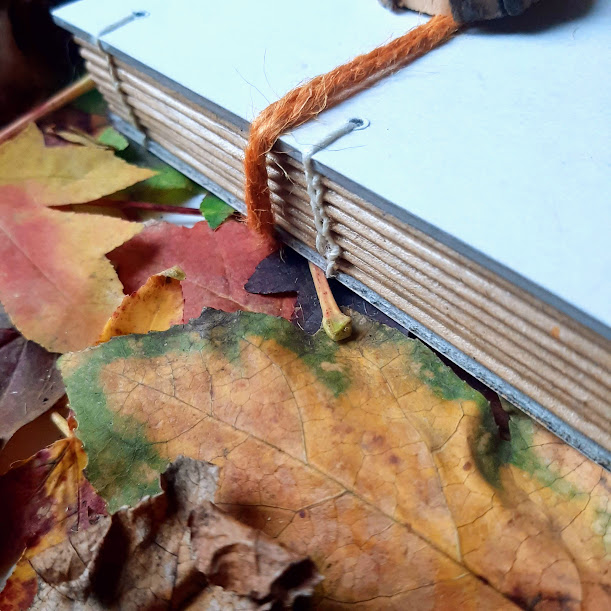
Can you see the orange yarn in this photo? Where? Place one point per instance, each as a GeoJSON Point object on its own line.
{"type": "Point", "coordinates": [323, 92]}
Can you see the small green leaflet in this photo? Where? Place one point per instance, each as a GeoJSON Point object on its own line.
{"type": "Point", "coordinates": [215, 211]}
{"type": "Point", "coordinates": [168, 178]}
{"type": "Point", "coordinates": [112, 138]}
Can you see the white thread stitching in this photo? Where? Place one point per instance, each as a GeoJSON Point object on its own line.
{"type": "Point", "coordinates": [325, 243]}
{"type": "Point", "coordinates": [110, 64]}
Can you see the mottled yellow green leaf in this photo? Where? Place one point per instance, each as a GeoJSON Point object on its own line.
{"type": "Point", "coordinates": [370, 456]}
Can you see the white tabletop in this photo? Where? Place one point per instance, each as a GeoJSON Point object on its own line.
{"type": "Point", "coordinates": [497, 143]}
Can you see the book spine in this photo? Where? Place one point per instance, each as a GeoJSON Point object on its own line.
{"type": "Point", "coordinates": [540, 358]}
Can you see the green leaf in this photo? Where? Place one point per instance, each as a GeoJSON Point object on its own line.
{"type": "Point", "coordinates": [112, 138]}
{"type": "Point", "coordinates": [215, 211]}
{"type": "Point", "coordinates": [168, 178]}
{"type": "Point", "coordinates": [92, 103]}
{"type": "Point", "coordinates": [167, 187]}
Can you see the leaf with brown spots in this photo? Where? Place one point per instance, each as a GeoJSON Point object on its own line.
{"type": "Point", "coordinates": [370, 456]}
{"type": "Point", "coordinates": [164, 552]}
{"type": "Point", "coordinates": [217, 265]}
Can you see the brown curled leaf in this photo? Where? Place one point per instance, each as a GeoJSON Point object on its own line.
{"type": "Point", "coordinates": [174, 550]}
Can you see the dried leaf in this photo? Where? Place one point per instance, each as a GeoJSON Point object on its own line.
{"type": "Point", "coordinates": [5, 321]}
{"type": "Point", "coordinates": [33, 436]}
{"type": "Point", "coordinates": [46, 503]}
{"type": "Point", "coordinates": [108, 137]}
{"type": "Point", "coordinates": [166, 550]}
{"type": "Point", "coordinates": [55, 176]}
{"type": "Point", "coordinates": [370, 456]}
{"type": "Point", "coordinates": [155, 306]}
{"type": "Point", "coordinates": [70, 119]}
{"type": "Point", "coordinates": [29, 383]}
{"type": "Point", "coordinates": [217, 265]}
{"type": "Point", "coordinates": [55, 282]}
{"type": "Point", "coordinates": [215, 211]}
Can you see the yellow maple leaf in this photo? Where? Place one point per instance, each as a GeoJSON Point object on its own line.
{"type": "Point", "coordinates": [55, 176]}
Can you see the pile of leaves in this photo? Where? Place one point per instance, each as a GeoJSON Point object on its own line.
{"type": "Point", "coordinates": [219, 452]}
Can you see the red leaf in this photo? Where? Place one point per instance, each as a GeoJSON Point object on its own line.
{"type": "Point", "coordinates": [217, 264]}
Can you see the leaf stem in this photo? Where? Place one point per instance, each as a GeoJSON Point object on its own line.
{"type": "Point", "coordinates": [62, 424]}
{"type": "Point", "coordinates": [112, 203]}
{"type": "Point", "coordinates": [61, 98]}
{"type": "Point", "coordinates": [336, 324]}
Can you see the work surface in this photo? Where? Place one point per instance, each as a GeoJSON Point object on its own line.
{"type": "Point", "coordinates": [497, 143]}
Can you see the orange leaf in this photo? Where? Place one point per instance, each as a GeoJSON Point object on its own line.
{"type": "Point", "coordinates": [55, 282]}
{"type": "Point", "coordinates": [54, 176]}
{"type": "Point", "coordinates": [155, 306]}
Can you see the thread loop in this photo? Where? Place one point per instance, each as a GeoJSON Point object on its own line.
{"type": "Point", "coordinates": [326, 245]}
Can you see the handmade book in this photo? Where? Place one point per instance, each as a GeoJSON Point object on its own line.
{"type": "Point", "coordinates": [467, 193]}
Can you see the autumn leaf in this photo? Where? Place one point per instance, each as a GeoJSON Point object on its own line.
{"type": "Point", "coordinates": [29, 382]}
{"type": "Point", "coordinates": [155, 306]}
{"type": "Point", "coordinates": [108, 137]}
{"type": "Point", "coordinates": [70, 118]}
{"type": "Point", "coordinates": [46, 502]}
{"type": "Point", "coordinates": [370, 456]}
{"type": "Point", "coordinates": [55, 282]}
{"type": "Point", "coordinates": [74, 136]}
{"type": "Point", "coordinates": [215, 211]}
{"type": "Point", "coordinates": [217, 264]}
{"type": "Point", "coordinates": [54, 176]}
{"type": "Point", "coordinates": [167, 550]}
{"type": "Point", "coordinates": [165, 185]}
